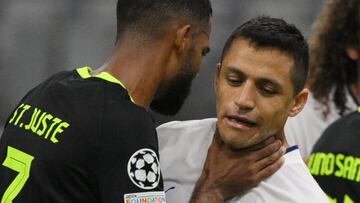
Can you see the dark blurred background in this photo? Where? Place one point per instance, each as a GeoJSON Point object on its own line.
{"type": "Point", "coordinates": [40, 37]}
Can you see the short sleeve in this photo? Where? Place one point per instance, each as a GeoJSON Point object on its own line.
{"type": "Point", "coordinates": [128, 166]}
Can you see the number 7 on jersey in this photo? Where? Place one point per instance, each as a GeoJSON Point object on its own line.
{"type": "Point", "coordinates": [20, 162]}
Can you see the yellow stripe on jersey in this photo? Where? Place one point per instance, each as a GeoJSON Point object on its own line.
{"type": "Point", "coordinates": [85, 72]}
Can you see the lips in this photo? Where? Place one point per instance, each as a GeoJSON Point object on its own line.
{"type": "Point", "coordinates": [240, 122]}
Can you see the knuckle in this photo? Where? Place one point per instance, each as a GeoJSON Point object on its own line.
{"type": "Point", "coordinates": [272, 148]}
{"type": "Point", "coordinates": [264, 152]}
{"type": "Point", "coordinates": [248, 159]}
{"type": "Point", "coordinates": [252, 170]}
{"type": "Point", "coordinates": [276, 146]}
{"type": "Point", "coordinates": [270, 160]}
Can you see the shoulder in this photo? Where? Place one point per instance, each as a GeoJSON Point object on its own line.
{"type": "Point", "coordinates": [175, 131]}
{"type": "Point", "coordinates": [67, 96]}
{"type": "Point", "coordinates": [348, 128]}
{"type": "Point", "coordinates": [193, 136]}
{"type": "Point", "coordinates": [89, 103]}
{"type": "Point", "coordinates": [190, 125]}
{"type": "Point", "coordinates": [350, 120]}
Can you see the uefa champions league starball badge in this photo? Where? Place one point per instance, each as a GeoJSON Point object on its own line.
{"type": "Point", "coordinates": [144, 169]}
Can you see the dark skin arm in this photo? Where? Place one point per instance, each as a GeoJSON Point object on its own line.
{"type": "Point", "coordinates": [228, 172]}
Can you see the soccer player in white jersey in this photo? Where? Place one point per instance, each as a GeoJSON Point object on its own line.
{"type": "Point", "coordinates": [259, 84]}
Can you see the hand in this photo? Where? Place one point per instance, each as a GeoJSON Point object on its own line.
{"type": "Point", "coordinates": [228, 173]}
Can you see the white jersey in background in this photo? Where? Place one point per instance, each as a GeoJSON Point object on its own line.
{"type": "Point", "coordinates": [183, 149]}
{"type": "Point", "coordinates": [307, 127]}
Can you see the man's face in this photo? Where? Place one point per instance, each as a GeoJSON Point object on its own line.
{"type": "Point", "coordinates": [254, 94]}
{"type": "Point", "coordinates": [178, 88]}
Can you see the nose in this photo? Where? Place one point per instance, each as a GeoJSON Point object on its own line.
{"type": "Point", "coordinates": [245, 99]}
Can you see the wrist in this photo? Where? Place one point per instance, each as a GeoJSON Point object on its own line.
{"type": "Point", "coordinates": [205, 191]}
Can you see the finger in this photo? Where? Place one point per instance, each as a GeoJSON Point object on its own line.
{"type": "Point", "coordinates": [268, 150]}
{"type": "Point", "coordinates": [270, 169]}
{"type": "Point", "coordinates": [262, 144]}
{"type": "Point", "coordinates": [268, 160]}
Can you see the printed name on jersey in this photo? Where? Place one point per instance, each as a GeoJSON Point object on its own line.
{"type": "Point", "coordinates": [338, 165]}
{"type": "Point", "coordinates": [145, 197]}
{"type": "Point", "coordinates": [144, 169]}
{"type": "Point", "coordinates": [40, 122]}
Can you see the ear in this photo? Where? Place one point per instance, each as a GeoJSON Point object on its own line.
{"type": "Point", "coordinates": [352, 53]}
{"type": "Point", "coordinates": [183, 38]}
{"type": "Point", "coordinates": [217, 75]}
{"type": "Point", "coordinates": [299, 102]}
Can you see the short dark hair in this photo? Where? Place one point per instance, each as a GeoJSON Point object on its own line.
{"type": "Point", "coordinates": [267, 32]}
{"type": "Point", "coordinates": [151, 17]}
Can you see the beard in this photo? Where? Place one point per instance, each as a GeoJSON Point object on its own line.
{"type": "Point", "coordinates": [178, 90]}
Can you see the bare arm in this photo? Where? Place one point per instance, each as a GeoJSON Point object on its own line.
{"type": "Point", "coordinates": [227, 173]}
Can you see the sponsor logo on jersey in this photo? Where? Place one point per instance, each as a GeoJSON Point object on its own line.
{"type": "Point", "coordinates": [145, 197]}
{"type": "Point", "coordinates": [144, 169]}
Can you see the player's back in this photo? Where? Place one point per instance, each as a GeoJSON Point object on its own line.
{"type": "Point", "coordinates": [41, 135]}
{"type": "Point", "coordinates": [59, 146]}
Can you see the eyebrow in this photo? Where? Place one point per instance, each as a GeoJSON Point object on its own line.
{"type": "Point", "coordinates": [261, 80]}
{"type": "Point", "coordinates": [232, 69]}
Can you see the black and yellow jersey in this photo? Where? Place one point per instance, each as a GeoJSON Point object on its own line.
{"type": "Point", "coordinates": [79, 138]}
{"type": "Point", "coordinates": [335, 160]}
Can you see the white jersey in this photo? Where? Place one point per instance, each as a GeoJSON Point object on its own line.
{"type": "Point", "coordinates": [183, 149]}
{"type": "Point", "coordinates": [307, 127]}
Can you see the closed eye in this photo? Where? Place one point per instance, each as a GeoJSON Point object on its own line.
{"type": "Point", "coordinates": [267, 91]}
{"type": "Point", "coordinates": [268, 87]}
{"type": "Point", "coordinates": [234, 81]}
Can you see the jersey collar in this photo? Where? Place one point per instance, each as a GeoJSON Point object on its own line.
{"type": "Point", "coordinates": [85, 72]}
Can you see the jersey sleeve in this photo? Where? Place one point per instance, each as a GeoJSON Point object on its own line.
{"type": "Point", "coordinates": [127, 162]}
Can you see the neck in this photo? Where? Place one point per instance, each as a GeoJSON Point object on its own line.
{"type": "Point", "coordinates": [140, 68]}
{"type": "Point", "coordinates": [283, 140]}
